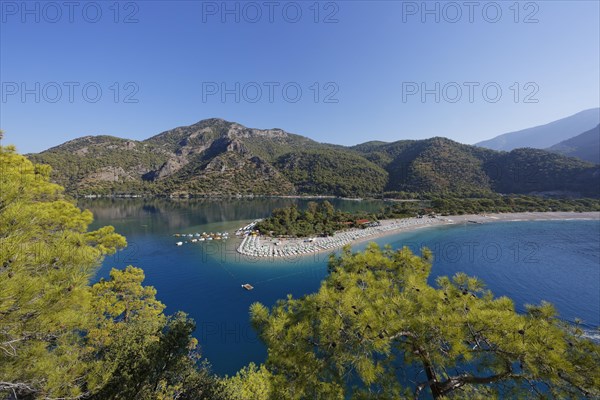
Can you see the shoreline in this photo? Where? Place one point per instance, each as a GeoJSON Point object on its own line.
{"type": "Point", "coordinates": [267, 247]}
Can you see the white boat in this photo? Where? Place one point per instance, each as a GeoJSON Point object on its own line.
{"type": "Point", "coordinates": [179, 243]}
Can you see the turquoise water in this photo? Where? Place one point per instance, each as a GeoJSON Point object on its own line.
{"type": "Point", "coordinates": [557, 261]}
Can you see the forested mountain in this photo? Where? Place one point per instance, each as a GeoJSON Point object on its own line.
{"type": "Point", "coordinates": [440, 165]}
{"type": "Point", "coordinates": [102, 163]}
{"type": "Point", "coordinates": [585, 146]}
{"type": "Point", "coordinates": [544, 136]}
{"type": "Point", "coordinates": [217, 157]}
{"type": "Point", "coordinates": [431, 165]}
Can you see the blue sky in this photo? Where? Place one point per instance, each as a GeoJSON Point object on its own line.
{"type": "Point", "coordinates": [361, 67]}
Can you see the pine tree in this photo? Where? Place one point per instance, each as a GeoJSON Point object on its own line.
{"type": "Point", "coordinates": [47, 257]}
{"type": "Point", "coordinates": [61, 337]}
{"type": "Point", "coordinates": [376, 319]}
{"type": "Point", "coordinates": [140, 353]}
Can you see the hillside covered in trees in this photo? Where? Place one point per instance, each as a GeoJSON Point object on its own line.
{"type": "Point", "coordinates": [319, 219]}
{"type": "Point", "coordinates": [375, 318]}
{"type": "Point", "coordinates": [324, 220]}
{"type": "Point", "coordinates": [218, 158]}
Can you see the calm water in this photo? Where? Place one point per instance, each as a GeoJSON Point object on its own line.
{"type": "Point", "coordinates": [557, 261]}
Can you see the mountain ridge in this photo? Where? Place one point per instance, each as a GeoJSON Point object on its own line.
{"type": "Point", "coordinates": [585, 146]}
{"type": "Point", "coordinates": [545, 135]}
{"type": "Point", "coordinates": [217, 157]}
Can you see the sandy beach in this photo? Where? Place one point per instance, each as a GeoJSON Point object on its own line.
{"type": "Point", "coordinates": [262, 246]}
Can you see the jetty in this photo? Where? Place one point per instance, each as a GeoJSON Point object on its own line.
{"type": "Point", "coordinates": [201, 237]}
{"type": "Point", "coordinates": [248, 229]}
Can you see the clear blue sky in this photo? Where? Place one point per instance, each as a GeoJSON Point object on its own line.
{"type": "Point", "coordinates": [372, 56]}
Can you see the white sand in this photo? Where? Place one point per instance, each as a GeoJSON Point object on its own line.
{"type": "Point", "coordinates": [261, 246]}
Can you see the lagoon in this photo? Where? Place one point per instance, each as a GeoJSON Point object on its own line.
{"type": "Point", "coordinates": [556, 261]}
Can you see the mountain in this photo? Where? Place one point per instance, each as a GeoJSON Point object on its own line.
{"type": "Point", "coordinates": [544, 136]}
{"type": "Point", "coordinates": [431, 165]}
{"type": "Point", "coordinates": [211, 157]}
{"type": "Point", "coordinates": [441, 165]}
{"type": "Point", "coordinates": [217, 157]}
{"type": "Point", "coordinates": [585, 146]}
{"type": "Point", "coordinates": [102, 162]}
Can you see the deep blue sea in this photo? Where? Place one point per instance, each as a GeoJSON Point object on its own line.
{"type": "Point", "coordinates": [556, 261]}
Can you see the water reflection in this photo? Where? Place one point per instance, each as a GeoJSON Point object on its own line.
{"type": "Point", "coordinates": [174, 214]}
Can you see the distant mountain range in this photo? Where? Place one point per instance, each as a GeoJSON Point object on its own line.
{"type": "Point", "coordinates": [585, 146]}
{"type": "Point", "coordinates": [217, 157]}
{"type": "Point", "coordinates": [545, 136]}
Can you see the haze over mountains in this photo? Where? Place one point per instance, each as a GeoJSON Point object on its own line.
{"type": "Point", "coordinates": [585, 146]}
{"type": "Point", "coordinates": [217, 157]}
{"type": "Point", "coordinates": [545, 136]}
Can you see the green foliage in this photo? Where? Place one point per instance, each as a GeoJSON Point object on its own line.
{"type": "Point", "coordinates": [323, 220]}
{"type": "Point", "coordinates": [227, 174]}
{"type": "Point", "coordinates": [450, 205]}
{"type": "Point", "coordinates": [46, 260]}
{"type": "Point", "coordinates": [329, 171]}
{"type": "Point", "coordinates": [141, 353]}
{"type": "Point", "coordinates": [504, 204]}
{"type": "Point", "coordinates": [532, 170]}
{"type": "Point", "coordinates": [61, 338]}
{"type": "Point", "coordinates": [272, 147]}
{"type": "Point", "coordinates": [250, 383]}
{"type": "Point", "coordinates": [439, 165]}
{"type": "Point", "coordinates": [103, 165]}
{"type": "Point", "coordinates": [318, 219]}
{"type": "Point", "coordinates": [376, 315]}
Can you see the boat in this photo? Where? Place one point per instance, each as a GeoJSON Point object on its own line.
{"type": "Point", "coordinates": [247, 286]}
{"type": "Point", "coordinates": [179, 243]}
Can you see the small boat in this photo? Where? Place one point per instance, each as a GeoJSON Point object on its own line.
{"type": "Point", "coordinates": [179, 243]}
{"type": "Point", "coordinates": [247, 286]}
